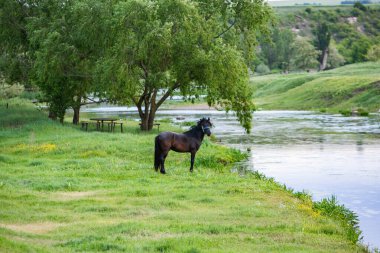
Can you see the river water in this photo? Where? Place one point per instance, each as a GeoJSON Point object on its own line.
{"type": "Point", "coordinates": [320, 153]}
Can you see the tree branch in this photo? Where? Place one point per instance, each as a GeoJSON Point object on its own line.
{"type": "Point", "coordinates": [237, 11]}
{"type": "Point", "coordinates": [167, 94]}
{"type": "Point", "coordinates": [144, 68]}
{"type": "Point", "coordinates": [93, 101]}
{"type": "Point", "coordinates": [153, 101]}
{"type": "Point", "coordinates": [228, 28]}
{"type": "Point", "coordinates": [137, 105]}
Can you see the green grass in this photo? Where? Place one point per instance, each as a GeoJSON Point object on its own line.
{"type": "Point", "coordinates": [349, 87]}
{"type": "Point", "coordinates": [66, 190]}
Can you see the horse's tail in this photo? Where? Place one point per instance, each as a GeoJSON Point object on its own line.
{"type": "Point", "coordinates": [156, 154]}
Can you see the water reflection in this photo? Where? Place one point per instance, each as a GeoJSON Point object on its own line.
{"type": "Point", "coordinates": [322, 154]}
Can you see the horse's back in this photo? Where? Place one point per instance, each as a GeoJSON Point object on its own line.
{"type": "Point", "coordinates": [173, 141]}
{"type": "Point", "coordinates": [165, 139]}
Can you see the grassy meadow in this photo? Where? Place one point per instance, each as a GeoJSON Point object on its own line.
{"type": "Point", "coordinates": [66, 190]}
{"type": "Point", "coordinates": [345, 88]}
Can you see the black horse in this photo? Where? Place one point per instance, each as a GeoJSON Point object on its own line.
{"type": "Point", "coordinates": [189, 141]}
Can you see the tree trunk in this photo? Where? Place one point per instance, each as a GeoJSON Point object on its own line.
{"type": "Point", "coordinates": [52, 115]}
{"type": "Point", "coordinates": [76, 115]}
{"type": "Point", "coordinates": [323, 59]}
{"type": "Point", "coordinates": [151, 105]}
{"type": "Point", "coordinates": [144, 123]}
{"type": "Point", "coordinates": [147, 121]}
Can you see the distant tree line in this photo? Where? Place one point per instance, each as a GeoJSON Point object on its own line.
{"type": "Point", "coordinates": [354, 2]}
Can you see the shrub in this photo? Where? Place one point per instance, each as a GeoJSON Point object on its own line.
{"type": "Point", "coordinates": [360, 6]}
{"type": "Point", "coordinates": [362, 112]}
{"type": "Point", "coordinates": [335, 59]}
{"type": "Point", "coordinates": [345, 112]}
{"type": "Point", "coordinates": [10, 91]}
{"type": "Point", "coordinates": [373, 53]}
{"type": "Point", "coordinates": [330, 207]}
{"type": "Point", "coordinates": [262, 69]}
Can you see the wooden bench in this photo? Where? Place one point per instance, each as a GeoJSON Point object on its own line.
{"type": "Point", "coordinates": [113, 124]}
{"type": "Point", "coordinates": [86, 123]}
{"type": "Point", "coordinates": [155, 124]}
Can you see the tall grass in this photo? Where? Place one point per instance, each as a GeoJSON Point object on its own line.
{"type": "Point", "coordinates": [349, 219]}
{"type": "Point", "coordinates": [329, 207]}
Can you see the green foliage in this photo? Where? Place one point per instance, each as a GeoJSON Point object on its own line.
{"type": "Point", "coordinates": [262, 69]}
{"type": "Point", "coordinates": [349, 219]}
{"type": "Point", "coordinates": [166, 46]}
{"type": "Point", "coordinates": [335, 59]}
{"type": "Point", "coordinates": [322, 42]}
{"type": "Point", "coordinates": [359, 49]}
{"type": "Point", "coordinates": [352, 35]}
{"type": "Point", "coordinates": [373, 53]}
{"type": "Point", "coordinates": [15, 61]}
{"type": "Point", "coordinates": [131, 51]}
{"type": "Point", "coordinates": [67, 39]}
{"type": "Point", "coordinates": [362, 112]}
{"type": "Point", "coordinates": [306, 55]}
{"type": "Point", "coordinates": [360, 6]}
{"type": "Point", "coordinates": [10, 91]}
{"type": "Point", "coordinates": [345, 112]}
{"type": "Point", "coordinates": [279, 51]}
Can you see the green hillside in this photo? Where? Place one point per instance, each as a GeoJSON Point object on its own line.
{"type": "Point", "coordinates": [348, 87]}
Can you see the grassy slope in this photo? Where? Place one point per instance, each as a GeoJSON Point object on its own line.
{"type": "Point", "coordinates": [65, 190]}
{"type": "Point", "coordinates": [351, 86]}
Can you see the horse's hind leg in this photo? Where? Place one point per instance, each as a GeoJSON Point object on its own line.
{"type": "Point", "coordinates": [162, 162]}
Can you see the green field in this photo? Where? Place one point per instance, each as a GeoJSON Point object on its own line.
{"type": "Point", "coordinates": [66, 190]}
{"type": "Point", "coordinates": [345, 88]}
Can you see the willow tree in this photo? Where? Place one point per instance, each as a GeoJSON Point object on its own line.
{"type": "Point", "coordinates": [15, 61]}
{"type": "Point", "coordinates": [159, 47]}
{"type": "Point", "coordinates": [66, 40]}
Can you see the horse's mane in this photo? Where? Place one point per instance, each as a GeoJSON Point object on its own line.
{"type": "Point", "coordinates": [191, 130]}
{"type": "Point", "coordinates": [196, 127]}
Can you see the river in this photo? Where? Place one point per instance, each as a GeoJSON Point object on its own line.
{"type": "Point", "coordinates": [322, 154]}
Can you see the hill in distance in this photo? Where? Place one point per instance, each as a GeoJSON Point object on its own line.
{"type": "Point", "coordinates": [346, 88]}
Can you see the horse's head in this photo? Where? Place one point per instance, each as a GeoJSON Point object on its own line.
{"type": "Point", "coordinates": [206, 125]}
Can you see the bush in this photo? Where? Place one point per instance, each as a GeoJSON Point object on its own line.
{"type": "Point", "coordinates": [330, 207]}
{"type": "Point", "coordinates": [360, 6]}
{"type": "Point", "coordinates": [334, 59]}
{"type": "Point", "coordinates": [262, 69]}
{"type": "Point", "coordinates": [345, 112]}
{"type": "Point", "coordinates": [355, 12]}
{"type": "Point", "coordinates": [373, 53]}
{"type": "Point", "coordinates": [10, 91]}
{"type": "Point", "coordinates": [362, 112]}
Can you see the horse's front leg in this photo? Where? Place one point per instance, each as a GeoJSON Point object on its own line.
{"type": "Point", "coordinates": [192, 161]}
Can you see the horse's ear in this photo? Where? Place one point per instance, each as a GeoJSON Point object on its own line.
{"type": "Point", "coordinates": [208, 119]}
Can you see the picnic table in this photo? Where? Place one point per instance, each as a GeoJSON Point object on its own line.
{"type": "Point", "coordinates": [100, 122]}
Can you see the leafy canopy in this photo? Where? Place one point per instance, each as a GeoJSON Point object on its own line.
{"type": "Point", "coordinates": [158, 47]}
{"type": "Point", "coordinates": [66, 42]}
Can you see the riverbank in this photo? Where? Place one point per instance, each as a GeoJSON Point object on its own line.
{"type": "Point", "coordinates": [66, 190]}
{"type": "Point", "coordinates": [346, 88]}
